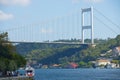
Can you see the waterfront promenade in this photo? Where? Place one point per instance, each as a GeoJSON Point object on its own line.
{"type": "Point", "coordinates": [17, 78]}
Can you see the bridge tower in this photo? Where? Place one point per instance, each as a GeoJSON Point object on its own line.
{"type": "Point", "coordinates": [90, 26]}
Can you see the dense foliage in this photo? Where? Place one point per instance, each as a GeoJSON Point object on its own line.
{"type": "Point", "coordinates": [9, 59]}
{"type": "Point", "coordinates": [63, 54]}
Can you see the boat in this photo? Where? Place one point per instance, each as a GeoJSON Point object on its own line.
{"type": "Point", "coordinates": [29, 71]}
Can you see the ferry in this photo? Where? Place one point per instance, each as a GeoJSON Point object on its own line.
{"type": "Point", "coordinates": [29, 71]}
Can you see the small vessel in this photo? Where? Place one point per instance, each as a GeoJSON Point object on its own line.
{"type": "Point", "coordinates": [29, 71]}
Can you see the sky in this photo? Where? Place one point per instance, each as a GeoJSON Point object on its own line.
{"type": "Point", "coordinates": [14, 14]}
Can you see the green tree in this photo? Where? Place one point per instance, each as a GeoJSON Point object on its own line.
{"type": "Point", "coordinates": [2, 65]}
{"type": "Point", "coordinates": [118, 40]}
{"type": "Point", "coordinates": [115, 61]}
{"type": "Point", "coordinates": [82, 64]}
{"type": "Point", "coordinates": [12, 65]}
{"type": "Point", "coordinates": [9, 59]}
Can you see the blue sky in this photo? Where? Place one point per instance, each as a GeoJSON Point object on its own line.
{"type": "Point", "coordinates": [15, 14]}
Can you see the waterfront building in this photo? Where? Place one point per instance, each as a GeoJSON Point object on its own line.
{"type": "Point", "coordinates": [103, 62]}
{"type": "Point", "coordinates": [116, 51]}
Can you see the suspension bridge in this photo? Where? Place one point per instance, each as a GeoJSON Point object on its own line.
{"type": "Point", "coordinates": [76, 25]}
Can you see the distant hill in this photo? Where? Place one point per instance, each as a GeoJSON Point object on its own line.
{"type": "Point", "coordinates": [60, 54]}
{"type": "Point", "coordinates": [25, 48]}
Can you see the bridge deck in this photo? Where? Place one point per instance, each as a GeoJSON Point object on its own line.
{"type": "Point", "coordinates": [71, 43]}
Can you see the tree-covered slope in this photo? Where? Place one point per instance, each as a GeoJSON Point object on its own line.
{"type": "Point", "coordinates": [56, 53]}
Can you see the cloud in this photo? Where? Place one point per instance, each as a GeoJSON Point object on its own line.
{"type": "Point", "coordinates": [45, 31]}
{"type": "Point", "coordinates": [15, 2]}
{"type": "Point", "coordinates": [5, 16]}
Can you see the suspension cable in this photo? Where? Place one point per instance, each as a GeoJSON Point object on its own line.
{"type": "Point", "coordinates": [105, 25]}
{"type": "Point", "coordinates": [108, 19]}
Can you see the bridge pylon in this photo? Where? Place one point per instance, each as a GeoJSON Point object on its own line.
{"type": "Point", "coordinates": [90, 26]}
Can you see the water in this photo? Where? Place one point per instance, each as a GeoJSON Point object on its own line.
{"type": "Point", "coordinates": [77, 74]}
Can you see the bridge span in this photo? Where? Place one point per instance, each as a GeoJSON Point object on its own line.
{"type": "Point", "coordinates": [52, 42]}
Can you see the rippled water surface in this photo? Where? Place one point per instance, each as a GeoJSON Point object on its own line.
{"type": "Point", "coordinates": [77, 74]}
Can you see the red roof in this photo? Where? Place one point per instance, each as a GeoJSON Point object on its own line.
{"type": "Point", "coordinates": [73, 65]}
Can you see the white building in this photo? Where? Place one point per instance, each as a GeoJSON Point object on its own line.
{"type": "Point", "coordinates": [103, 62]}
{"type": "Point", "coordinates": [116, 51]}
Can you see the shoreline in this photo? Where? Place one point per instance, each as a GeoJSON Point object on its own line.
{"type": "Point", "coordinates": [17, 78]}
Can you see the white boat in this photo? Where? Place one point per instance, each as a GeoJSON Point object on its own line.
{"type": "Point", "coordinates": [29, 71]}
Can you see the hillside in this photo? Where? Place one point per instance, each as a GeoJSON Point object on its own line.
{"type": "Point", "coordinates": [25, 48]}
{"type": "Point", "coordinates": [61, 54]}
